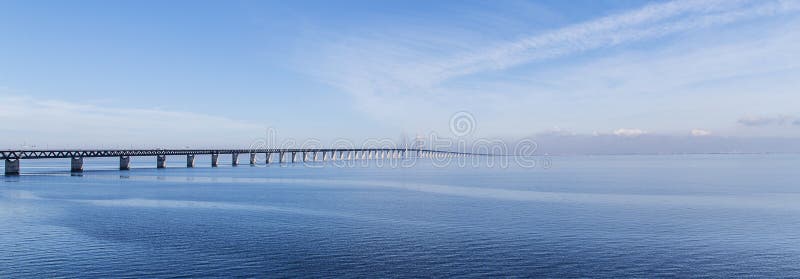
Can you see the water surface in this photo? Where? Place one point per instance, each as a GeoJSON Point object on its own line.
{"type": "Point", "coordinates": [584, 216]}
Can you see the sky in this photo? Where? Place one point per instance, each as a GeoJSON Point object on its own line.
{"type": "Point", "coordinates": [636, 76]}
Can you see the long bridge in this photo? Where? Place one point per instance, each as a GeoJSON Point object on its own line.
{"type": "Point", "coordinates": [13, 157]}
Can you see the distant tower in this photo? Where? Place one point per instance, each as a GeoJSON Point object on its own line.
{"type": "Point", "coordinates": [419, 142]}
{"type": "Point", "coordinates": [403, 141]}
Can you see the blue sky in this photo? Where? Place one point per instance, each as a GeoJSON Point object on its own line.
{"type": "Point", "coordinates": [175, 73]}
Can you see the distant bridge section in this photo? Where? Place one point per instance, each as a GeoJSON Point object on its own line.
{"type": "Point", "coordinates": [13, 157]}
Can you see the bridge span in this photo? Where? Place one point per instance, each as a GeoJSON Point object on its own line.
{"type": "Point", "coordinates": [13, 157]}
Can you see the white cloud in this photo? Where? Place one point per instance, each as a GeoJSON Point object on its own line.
{"type": "Point", "coordinates": [623, 132]}
{"type": "Point", "coordinates": [389, 62]}
{"type": "Point", "coordinates": [652, 21]}
{"type": "Point", "coordinates": [55, 123]}
{"type": "Point", "coordinates": [413, 79]}
{"type": "Point", "coordinates": [758, 121]}
{"type": "Point", "coordinates": [700, 133]}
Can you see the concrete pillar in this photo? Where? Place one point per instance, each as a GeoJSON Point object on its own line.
{"type": "Point", "coordinates": [314, 157]}
{"type": "Point", "coordinates": [190, 161]}
{"type": "Point", "coordinates": [267, 155]}
{"type": "Point", "coordinates": [77, 164]}
{"type": "Point", "coordinates": [234, 159]}
{"type": "Point", "coordinates": [294, 156]}
{"type": "Point", "coordinates": [280, 157]}
{"type": "Point", "coordinates": [305, 156]}
{"type": "Point", "coordinates": [161, 161]}
{"type": "Point", "coordinates": [124, 162]}
{"type": "Point", "coordinates": [215, 160]}
{"type": "Point", "coordinates": [333, 155]}
{"type": "Point", "coordinates": [252, 159]}
{"type": "Point", "coordinates": [12, 166]}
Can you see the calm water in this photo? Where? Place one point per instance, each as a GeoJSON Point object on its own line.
{"type": "Point", "coordinates": [604, 216]}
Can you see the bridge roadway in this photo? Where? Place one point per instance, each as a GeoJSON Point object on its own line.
{"type": "Point", "coordinates": [13, 157]}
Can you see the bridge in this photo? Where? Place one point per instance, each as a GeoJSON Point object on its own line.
{"type": "Point", "coordinates": [13, 157]}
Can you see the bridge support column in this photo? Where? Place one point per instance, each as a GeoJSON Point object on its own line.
{"type": "Point", "coordinates": [305, 156]}
{"type": "Point", "coordinates": [77, 164]}
{"type": "Point", "coordinates": [124, 162]}
{"type": "Point", "coordinates": [190, 161]}
{"type": "Point", "coordinates": [333, 155]}
{"type": "Point", "coordinates": [252, 159]}
{"type": "Point", "coordinates": [161, 161]}
{"type": "Point", "coordinates": [280, 157]}
{"type": "Point", "coordinates": [234, 159]}
{"type": "Point", "coordinates": [12, 166]}
{"type": "Point", "coordinates": [314, 156]}
{"type": "Point", "coordinates": [294, 156]}
{"type": "Point", "coordinates": [215, 160]}
{"type": "Point", "coordinates": [267, 155]}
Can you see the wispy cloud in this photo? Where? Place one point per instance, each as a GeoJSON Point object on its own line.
{"type": "Point", "coordinates": [758, 121]}
{"type": "Point", "coordinates": [55, 123]}
{"type": "Point", "coordinates": [389, 76]}
{"type": "Point", "coordinates": [651, 21]}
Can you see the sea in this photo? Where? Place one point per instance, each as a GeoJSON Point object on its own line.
{"type": "Point", "coordinates": [716, 215]}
